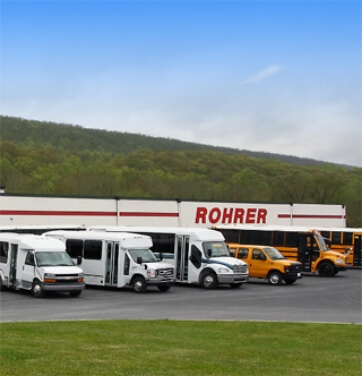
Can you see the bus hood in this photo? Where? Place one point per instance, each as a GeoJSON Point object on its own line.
{"type": "Point", "coordinates": [227, 261]}
{"type": "Point", "coordinates": [61, 269]}
{"type": "Point", "coordinates": [157, 265]}
{"type": "Point", "coordinates": [336, 255]}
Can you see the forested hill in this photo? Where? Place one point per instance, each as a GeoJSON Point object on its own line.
{"type": "Point", "coordinates": [56, 159]}
{"type": "Point", "coordinates": [75, 138]}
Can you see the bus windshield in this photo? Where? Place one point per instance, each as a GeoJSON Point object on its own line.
{"type": "Point", "coordinates": [320, 240]}
{"type": "Point", "coordinates": [273, 253]}
{"type": "Point", "coordinates": [216, 249]}
{"type": "Point", "coordinates": [146, 255]}
{"type": "Point", "coordinates": [53, 259]}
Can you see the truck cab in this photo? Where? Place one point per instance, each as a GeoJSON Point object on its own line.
{"type": "Point", "coordinates": [265, 262]}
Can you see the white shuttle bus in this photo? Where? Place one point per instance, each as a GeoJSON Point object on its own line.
{"type": "Point", "coordinates": [39, 264]}
{"type": "Point", "coordinates": [200, 256]}
{"type": "Point", "coordinates": [116, 260]}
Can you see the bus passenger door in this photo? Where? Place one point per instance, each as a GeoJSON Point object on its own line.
{"type": "Point", "coordinates": [357, 250]}
{"type": "Point", "coordinates": [182, 257]}
{"type": "Point", "coordinates": [305, 243]}
{"type": "Point", "coordinates": [112, 262]}
{"type": "Point", "coordinates": [13, 264]}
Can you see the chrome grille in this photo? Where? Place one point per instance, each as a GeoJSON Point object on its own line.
{"type": "Point", "coordinates": [240, 268]}
{"type": "Point", "coordinates": [165, 272]}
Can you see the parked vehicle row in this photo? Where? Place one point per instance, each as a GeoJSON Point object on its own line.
{"type": "Point", "coordinates": [141, 257]}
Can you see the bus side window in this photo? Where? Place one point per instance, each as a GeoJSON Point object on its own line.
{"type": "Point", "coordinates": [195, 257]}
{"type": "Point", "coordinates": [4, 250]}
{"type": "Point", "coordinates": [29, 259]}
{"type": "Point", "coordinates": [74, 247]}
{"type": "Point", "coordinates": [126, 265]}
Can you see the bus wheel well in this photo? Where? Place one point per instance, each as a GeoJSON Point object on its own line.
{"type": "Point", "coordinates": [208, 279]}
{"type": "Point", "coordinates": [37, 289]}
{"type": "Point", "coordinates": [138, 283]}
{"type": "Point", "coordinates": [326, 268]}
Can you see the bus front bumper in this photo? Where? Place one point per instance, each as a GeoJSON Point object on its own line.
{"type": "Point", "coordinates": [232, 278]}
{"type": "Point", "coordinates": [156, 281]}
{"type": "Point", "coordinates": [62, 287]}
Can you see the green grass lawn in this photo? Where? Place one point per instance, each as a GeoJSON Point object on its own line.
{"type": "Point", "coordinates": [172, 348]}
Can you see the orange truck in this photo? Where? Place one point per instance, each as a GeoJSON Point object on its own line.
{"type": "Point", "coordinates": [268, 263]}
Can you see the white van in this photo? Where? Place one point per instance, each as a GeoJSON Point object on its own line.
{"type": "Point", "coordinates": [117, 259]}
{"type": "Point", "coordinates": [39, 264]}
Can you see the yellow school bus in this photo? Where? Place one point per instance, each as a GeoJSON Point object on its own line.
{"type": "Point", "coordinates": [295, 243]}
{"type": "Point", "coordinates": [345, 240]}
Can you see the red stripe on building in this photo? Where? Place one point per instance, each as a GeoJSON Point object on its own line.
{"type": "Point", "coordinates": [147, 214]}
{"type": "Point", "coordinates": [58, 213]}
{"type": "Point", "coordinates": [299, 216]}
{"type": "Point", "coordinates": [85, 213]}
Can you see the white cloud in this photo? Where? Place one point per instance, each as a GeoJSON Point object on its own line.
{"type": "Point", "coordinates": [265, 73]}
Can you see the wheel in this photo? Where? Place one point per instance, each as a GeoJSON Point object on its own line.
{"type": "Point", "coordinates": [2, 287]}
{"type": "Point", "coordinates": [235, 285]}
{"type": "Point", "coordinates": [164, 287]}
{"type": "Point", "coordinates": [275, 278]}
{"type": "Point", "coordinates": [326, 269]}
{"type": "Point", "coordinates": [289, 281]}
{"type": "Point", "coordinates": [37, 289]}
{"type": "Point", "coordinates": [209, 280]}
{"type": "Point", "coordinates": [75, 293]}
{"type": "Point", "coordinates": [139, 284]}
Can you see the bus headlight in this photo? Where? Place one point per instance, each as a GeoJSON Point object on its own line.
{"type": "Point", "coordinates": [49, 278]}
{"type": "Point", "coordinates": [151, 273]}
{"type": "Point", "coordinates": [339, 261]}
{"type": "Point", "coordinates": [223, 270]}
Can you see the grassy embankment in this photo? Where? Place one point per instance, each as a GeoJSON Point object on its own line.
{"type": "Point", "coordinates": [173, 348]}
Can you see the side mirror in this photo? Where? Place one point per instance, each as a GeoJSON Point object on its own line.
{"type": "Point", "coordinates": [79, 260]}
{"type": "Point", "coordinates": [139, 260]}
{"type": "Point", "coordinates": [209, 253]}
{"type": "Point", "coordinates": [161, 256]}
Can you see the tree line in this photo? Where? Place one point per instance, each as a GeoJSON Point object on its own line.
{"type": "Point", "coordinates": [46, 160]}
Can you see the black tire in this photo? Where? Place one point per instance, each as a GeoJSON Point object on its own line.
{"type": "Point", "coordinates": [2, 287]}
{"type": "Point", "coordinates": [209, 281]}
{"type": "Point", "coordinates": [235, 285]}
{"type": "Point", "coordinates": [289, 281]}
{"type": "Point", "coordinates": [326, 269]}
{"type": "Point", "coordinates": [75, 293]}
{"type": "Point", "coordinates": [164, 288]}
{"type": "Point", "coordinates": [275, 278]}
{"type": "Point", "coordinates": [139, 284]}
{"type": "Point", "coordinates": [37, 289]}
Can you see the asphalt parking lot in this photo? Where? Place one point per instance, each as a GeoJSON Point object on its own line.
{"type": "Point", "coordinates": [311, 299]}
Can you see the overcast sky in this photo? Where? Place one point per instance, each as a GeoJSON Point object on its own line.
{"type": "Point", "coordinates": [272, 76]}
